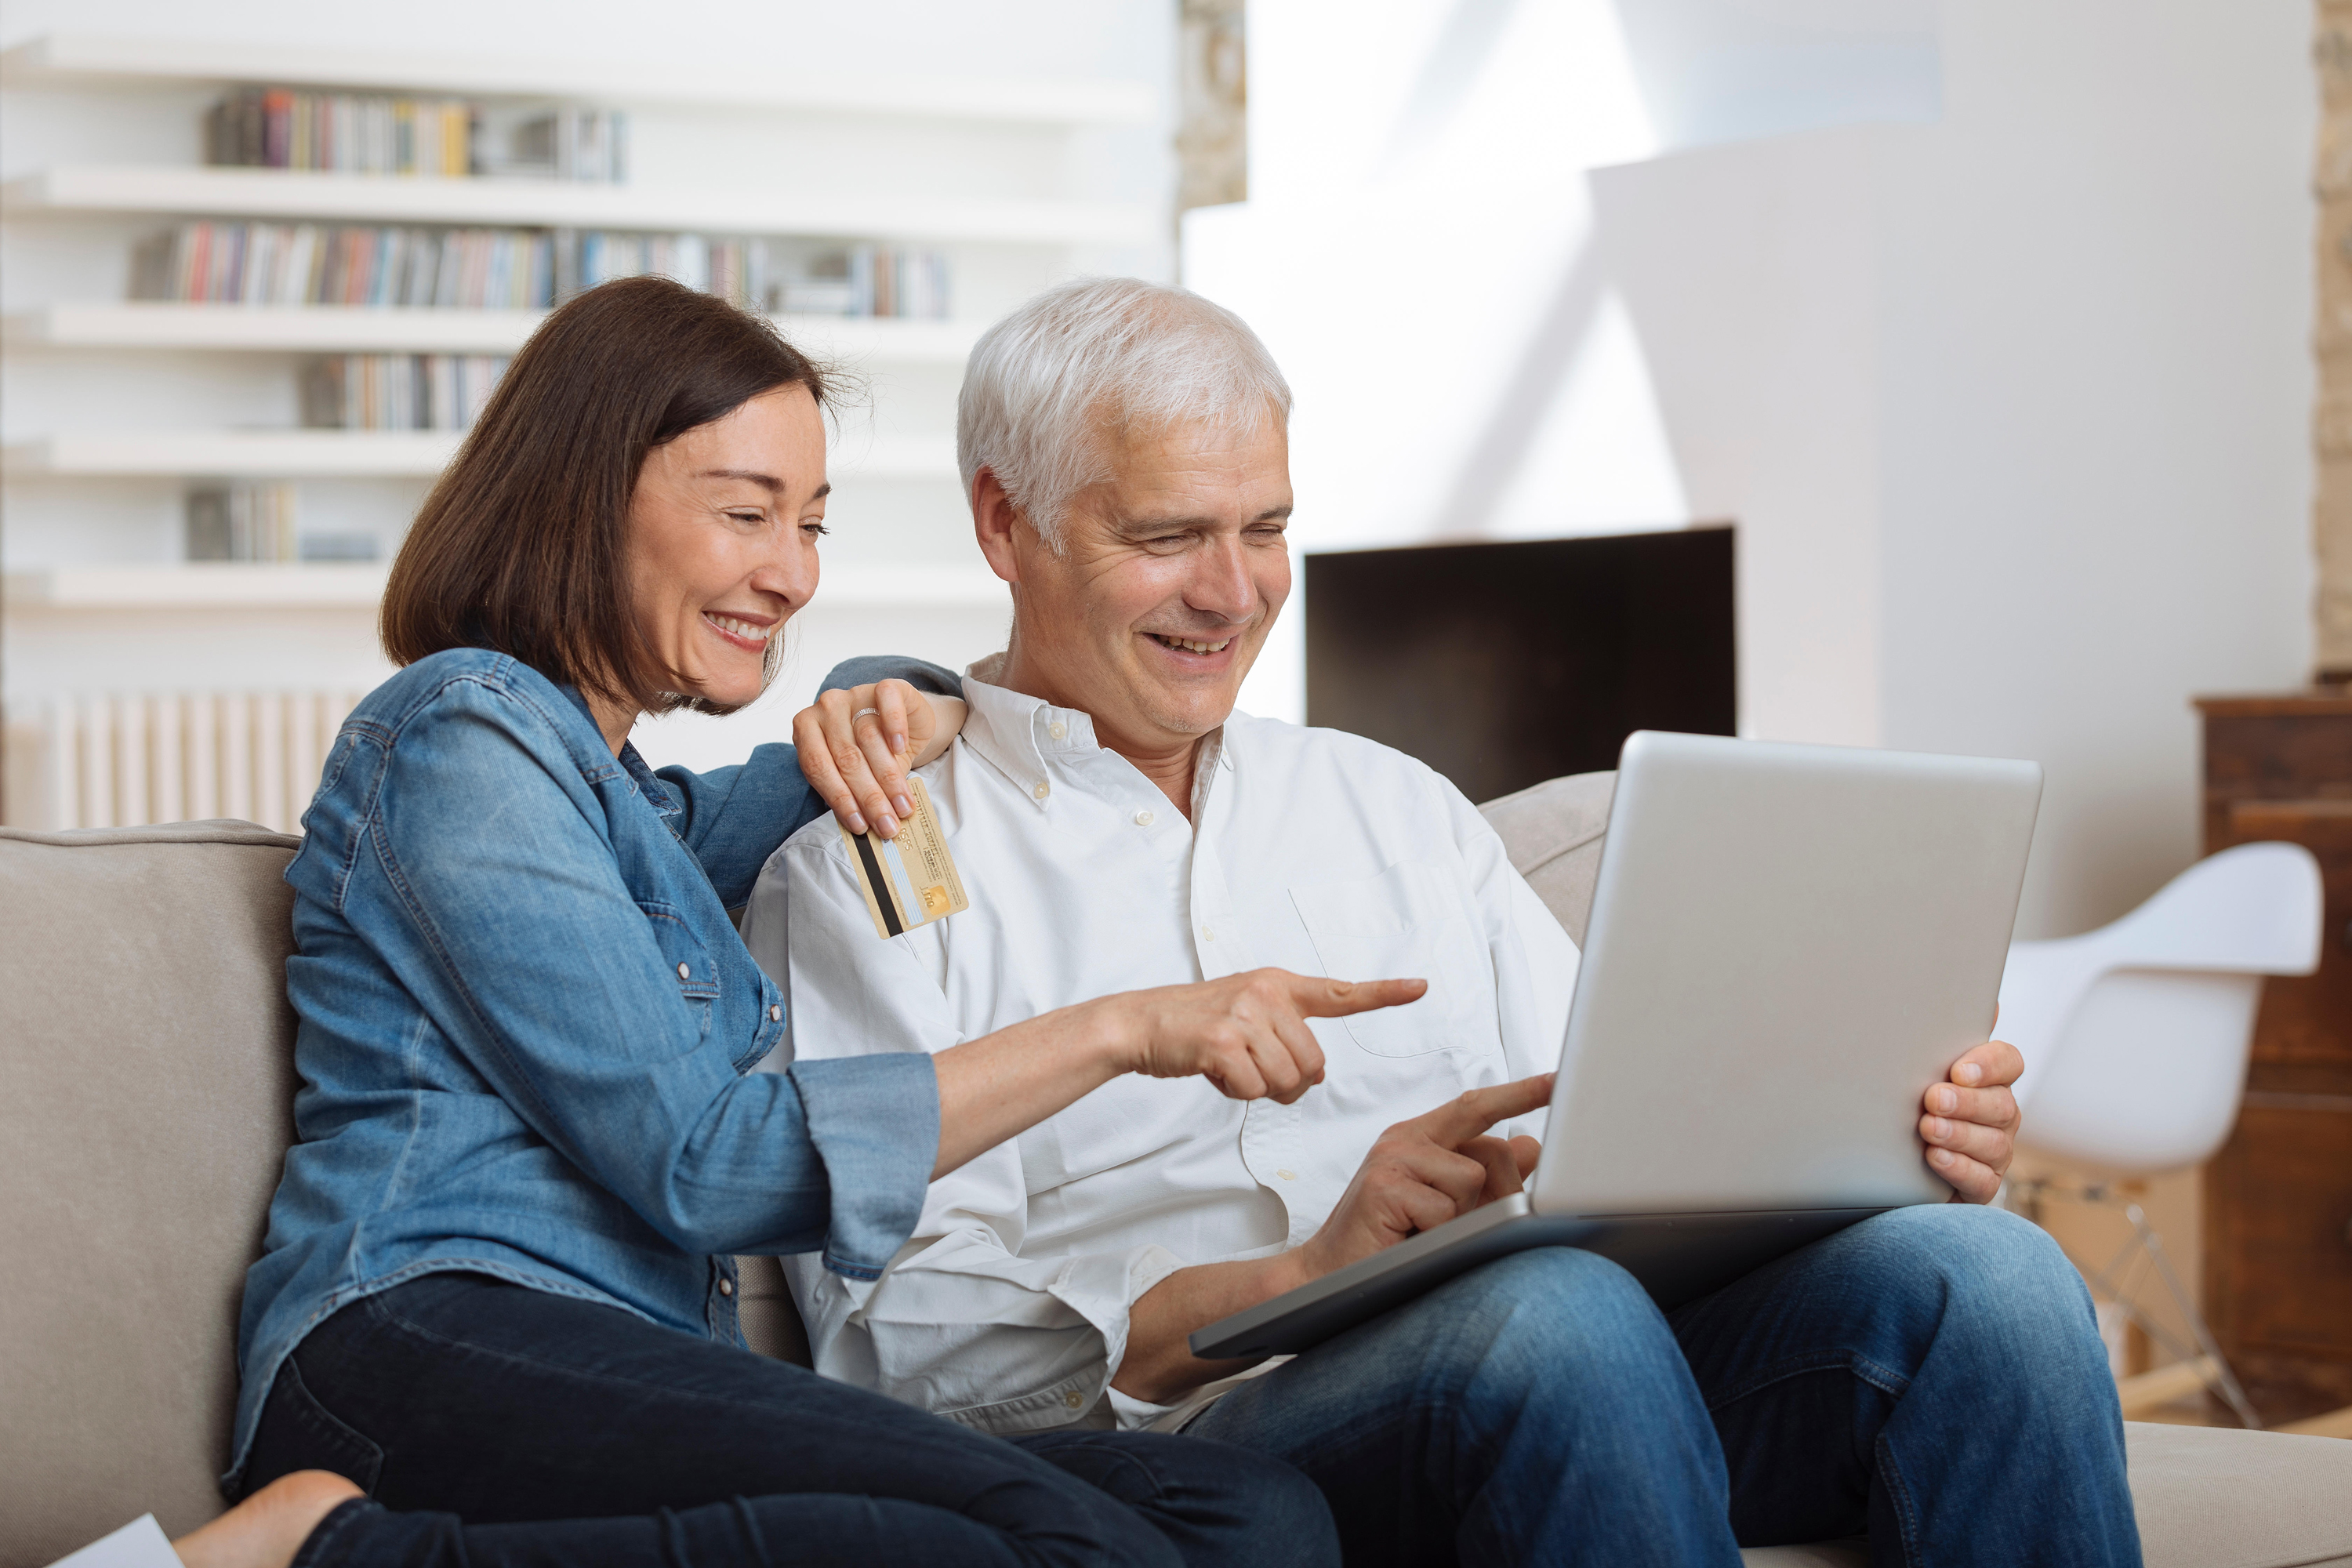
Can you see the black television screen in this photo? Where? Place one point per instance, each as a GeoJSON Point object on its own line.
{"type": "Point", "coordinates": [1504, 665]}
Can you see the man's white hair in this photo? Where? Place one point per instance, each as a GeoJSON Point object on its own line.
{"type": "Point", "coordinates": [1096, 357]}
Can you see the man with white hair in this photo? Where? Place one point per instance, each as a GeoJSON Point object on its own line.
{"type": "Point", "coordinates": [1932, 1375]}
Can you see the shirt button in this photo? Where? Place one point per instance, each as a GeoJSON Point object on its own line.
{"type": "Point", "coordinates": [776, 1014]}
{"type": "Point", "coordinates": [1207, 935]}
{"type": "Point", "coordinates": [1057, 729]}
{"type": "Point", "coordinates": [1043, 790]}
{"type": "Point", "coordinates": [1143, 819]}
{"type": "Point", "coordinates": [684, 972]}
{"type": "Point", "coordinates": [1287, 1175]}
{"type": "Point", "coordinates": [726, 1287]}
{"type": "Point", "coordinates": [1073, 1399]}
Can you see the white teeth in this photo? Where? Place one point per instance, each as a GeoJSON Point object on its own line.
{"type": "Point", "coordinates": [1191, 646]}
{"type": "Point", "coordinates": [745, 630]}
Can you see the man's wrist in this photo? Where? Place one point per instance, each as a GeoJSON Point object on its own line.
{"type": "Point", "coordinates": [1114, 1035]}
{"type": "Point", "coordinates": [1287, 1271]}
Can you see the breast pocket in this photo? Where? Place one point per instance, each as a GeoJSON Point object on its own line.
{"type": "Point", "coordinates": [1407, 921]}
{"type": "Point", "coordinates": [687, 963]}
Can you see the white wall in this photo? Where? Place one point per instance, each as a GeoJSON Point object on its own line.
{"type": "Point", "coordinates": [2008, 391]}
{"type": "Point", "coordinates": [2013, 407]}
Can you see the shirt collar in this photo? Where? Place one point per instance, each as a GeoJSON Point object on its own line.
{"type": "Point", "coordinates": [656, 793]}
{"type": "Point", "coordinates": [1016, 733]}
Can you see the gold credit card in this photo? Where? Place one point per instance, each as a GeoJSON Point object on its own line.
{"type": "Point", "coordinates": [908, 881]}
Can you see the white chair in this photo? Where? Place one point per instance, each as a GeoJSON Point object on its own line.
{"type": "Point", "coordinates": [2136, 1037]}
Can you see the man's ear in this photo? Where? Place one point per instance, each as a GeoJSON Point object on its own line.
{"type": "Point", "coordinates": [994, 519]}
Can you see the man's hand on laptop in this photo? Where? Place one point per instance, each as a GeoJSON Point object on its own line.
{"type": "Point", "coordinates": [1971, 1122]}
{"type": "Point", "coordinates": [1427, 1171]}
{"type": "Point", "coordinates": [1419, 1174]}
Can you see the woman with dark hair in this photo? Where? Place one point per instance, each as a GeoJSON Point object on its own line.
{"type": "Point", "coordinates": [494, 1320]}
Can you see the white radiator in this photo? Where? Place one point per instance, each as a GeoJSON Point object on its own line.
{"type": "Point", "coordinates": [127, 760]}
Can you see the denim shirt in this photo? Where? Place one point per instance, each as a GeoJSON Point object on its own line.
{"type": "Point", "coordinates": [527, 1025]}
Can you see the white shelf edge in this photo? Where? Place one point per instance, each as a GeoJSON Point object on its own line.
{"type": "Point", "coordinates": [298, 193]}
{"type": "Point", "coordinates": [271, 454]}
{"type": "Point", "coordinates": [344, 329]}
{"type": "Point", "coordinates": [365, 453]}
{"type": "Point", "coordinates": [199, 585]}
{"type": "Point", "coordinates": [239, 585]}
{"type": "Point", "coordinates": [73, 60]}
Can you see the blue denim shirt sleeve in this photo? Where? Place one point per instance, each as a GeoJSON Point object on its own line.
{"type": "Point", "coordinates": [565, 993]}
{"type": "Point", "coordinates": [735, 817]}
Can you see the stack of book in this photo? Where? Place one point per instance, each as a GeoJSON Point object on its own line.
{"type": "Point", "coordinates": [229, 263]}
{"type": "Point", "coordinates": [398, 391]}
{"type": "Point", "coordinates": [591, 144]}
{"type": "Point", "coordinates": [585, 258]}
{"type": "Point", "coordinates": [870, 280]}
{"type": "Point", "coordinates": [243, 522]}
{"type": "Point", "coordinates": [307, 264]}
{"type": "Point", "coordinates": [380, 133]}
{"type": "Point", "coordinates": [350, 133]}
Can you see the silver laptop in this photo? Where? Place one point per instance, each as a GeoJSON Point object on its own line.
{"type": "Point", "coordinates": [1788, 945]}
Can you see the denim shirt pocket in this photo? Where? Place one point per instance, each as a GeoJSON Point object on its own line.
{"type": "Point", "coordinates": [689, 962]}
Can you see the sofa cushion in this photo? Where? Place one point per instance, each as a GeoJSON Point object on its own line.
{"type": "Point", "coordinates": [1552, 833]}
{"type": "Point", "coordinates": [2206, 1498]}
{"type": "Point", "coordinates": [2216, 1498]}
{"type": "Point", "coordinates": [148, 1053]}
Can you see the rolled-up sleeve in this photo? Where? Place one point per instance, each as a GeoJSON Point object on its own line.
{"type": "Point", "coordinates": [865, 1116]}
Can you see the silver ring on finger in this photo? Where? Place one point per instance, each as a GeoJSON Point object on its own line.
{"type": "Point", "coordinates": [862, 712]}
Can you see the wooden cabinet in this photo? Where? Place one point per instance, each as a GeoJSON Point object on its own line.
{"type": "Point", "coordinates": [2278, 1197]}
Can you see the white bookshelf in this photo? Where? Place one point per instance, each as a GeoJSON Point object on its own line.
{"type": "Point", "coordinates": [241, 585]}
{"type": "Point", "coordinates": [75, 60]}
{"type": "Point", "coordinates": [117, 408]}
{"type": "Point", "coordinates": [365, 453]}
{"type": "Point", "coordinates": [343, 329]}
{"type": "Point", "coordinates": [304, 194]}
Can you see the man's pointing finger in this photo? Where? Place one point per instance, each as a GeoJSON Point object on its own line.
{"type": "Point", "coordinates": [1473, 1111]}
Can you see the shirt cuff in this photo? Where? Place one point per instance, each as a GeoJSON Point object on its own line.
{"type": "Point", "coordinates": [876, 1124]}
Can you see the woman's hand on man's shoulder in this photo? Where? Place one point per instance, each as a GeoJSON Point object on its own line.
{"type": "Point", "coordinates": [858, 744]}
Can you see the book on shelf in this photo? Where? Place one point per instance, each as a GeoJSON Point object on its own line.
{"type": "Point", "coordinates": [350, 133]}
{"type": "Point", "coordinates": [212, 261]}
{"type": "Point", "coordinates": [260, 520]}
{"type": "Point", "coordinates": [398, 391]}
{"type": "Point", "coordinates": [899, 280]}
{"type": "Point", "coordinates": [590, 145]}
{"type": "Point", "coordinates": [384, 133]}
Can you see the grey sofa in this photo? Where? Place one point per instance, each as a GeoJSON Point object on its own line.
{"type": "Point", "coordinates": [146, 1045]}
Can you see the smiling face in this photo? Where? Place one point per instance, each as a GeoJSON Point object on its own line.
{"type": "Point", "coordinates": [1169, 576]}
{"type": "Point", "coordinates": [722, 537]}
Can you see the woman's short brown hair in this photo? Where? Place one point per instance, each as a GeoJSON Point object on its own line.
{"type": "Point", "coordinates": [521, 546]}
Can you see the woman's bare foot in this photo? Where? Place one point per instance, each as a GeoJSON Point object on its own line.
{"type": "Point", "coordinates": [267, 1528]}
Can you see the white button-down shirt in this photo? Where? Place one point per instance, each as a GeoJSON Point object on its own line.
{"type": "Point", "coordinates": [1311, 850]}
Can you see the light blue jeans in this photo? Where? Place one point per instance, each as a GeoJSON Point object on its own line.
{"type": "Point", "coordinates": [1933, 1376]}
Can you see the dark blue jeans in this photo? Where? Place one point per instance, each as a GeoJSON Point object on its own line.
{"type": "Point", "coordinates": [495, 1424]}
{"type": "Point", "coordinates": [1932, 1377]}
